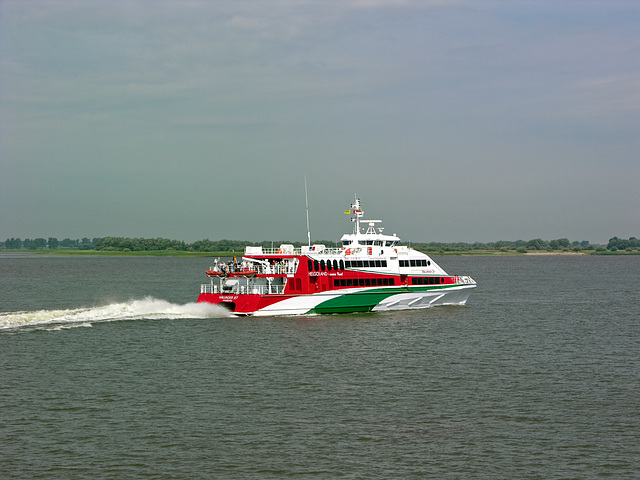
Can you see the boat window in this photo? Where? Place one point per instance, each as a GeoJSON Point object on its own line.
{"type": "Point", "coordinates": [433, 280]}
{"type": "Point", "coordinates": [329, 265]}
{"type": "Point", "coordinates": [341, 264]}
{"type": "Point", "coordinates": [322, 265]}
{"type": "Point", "coordinates": [316, 266]}
{"type": "Point", "coordinates": [309, 265]}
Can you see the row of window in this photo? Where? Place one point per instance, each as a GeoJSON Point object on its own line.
{"type": "Point", "coordinates": [427, 280]}
{"type": "Point", "coordinates": [415, 263]}
{"type": "Point", "coordinates": [329, 265]}
{"type": "Point", "coordinates": [365, 263]}
{"type": "Point", "coordinates": [363, 282]}
{"type": "Point", "coordinates": [321, 266]}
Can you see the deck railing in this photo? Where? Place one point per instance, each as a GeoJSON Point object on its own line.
{"type": "Point", "coordinates": [293, 251]}
{"type": "Point", "coordinates": [243, 289]}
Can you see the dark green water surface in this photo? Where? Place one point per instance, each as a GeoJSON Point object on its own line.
{"type": "Point", "coordinates": [108, 370]}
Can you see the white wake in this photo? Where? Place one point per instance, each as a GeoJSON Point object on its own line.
{"type": "Point", "coordinates": [149, 308]}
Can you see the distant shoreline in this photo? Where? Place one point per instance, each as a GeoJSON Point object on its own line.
{"type": "Point", "coordinates": [558, 253]}
{"type": "Point", "coordinates": [215, 248]}
{"type": "Point", "coordinates": [225, 253]}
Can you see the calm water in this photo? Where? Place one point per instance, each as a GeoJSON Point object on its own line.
{"type": "Point", "coordinates": [109, 371]}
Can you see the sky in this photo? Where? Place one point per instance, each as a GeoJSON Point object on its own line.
{"type": "Point", "coordinates": [452, 121]}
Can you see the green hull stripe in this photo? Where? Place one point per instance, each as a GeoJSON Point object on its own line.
{"type": "Point", "coordinates": [365, 301]}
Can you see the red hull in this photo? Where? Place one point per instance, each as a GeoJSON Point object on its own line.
{"type": "Point", "coordinates": [242, 303]}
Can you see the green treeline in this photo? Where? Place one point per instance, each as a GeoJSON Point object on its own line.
{"type": "Point", "coordinates": [51, 244]}
{"type": "Point", "coordinates": [535, 245]}
{"type": "Point", "coordinates": [125, 244]}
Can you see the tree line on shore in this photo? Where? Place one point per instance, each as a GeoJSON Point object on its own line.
{"type": "Point", "coordinates": [125, 244]}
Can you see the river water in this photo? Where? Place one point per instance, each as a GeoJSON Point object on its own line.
{"type": "Point", "coordinates": [109, 370]}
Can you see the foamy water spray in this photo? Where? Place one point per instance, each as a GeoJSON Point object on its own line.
{"type": "Point", "coordinates": [149, 308]}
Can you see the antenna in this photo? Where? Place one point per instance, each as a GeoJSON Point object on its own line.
{"type": "Point", "coordinates": [357, 211]}
{"type": "Point", "coordinates": [306, 201]}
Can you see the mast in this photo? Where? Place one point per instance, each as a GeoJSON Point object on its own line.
{"type": "Point", "coordinates": [306, 201]}
{"type": "Point", "coordinates": [356, 208]}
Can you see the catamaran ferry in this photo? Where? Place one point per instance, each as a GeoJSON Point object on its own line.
{"type": "Point", "coordinates": [371, 272]}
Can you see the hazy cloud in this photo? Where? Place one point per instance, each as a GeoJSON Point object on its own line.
{"type": "Point", "coordinates": [453, 120]}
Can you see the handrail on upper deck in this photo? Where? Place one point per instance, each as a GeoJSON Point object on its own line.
{"type": "Point", "coordinates": [296, 251]}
